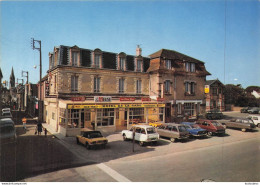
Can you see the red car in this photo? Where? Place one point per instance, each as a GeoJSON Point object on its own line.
{"type": "Point", "coordinates": [212, 127]}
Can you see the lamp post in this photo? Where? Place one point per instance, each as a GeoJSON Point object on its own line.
{"type": "Point", "coordinates": [26, 88]}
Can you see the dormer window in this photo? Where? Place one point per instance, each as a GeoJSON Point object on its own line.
{"type": "Point", "coordinates": [74, 58]}
{"type": "Point", "coordinates": [139, 64]}
{"type": "Point", "coordinates": [122, 63]}
{"type": "Point", "coordinates": [97, 60]}
{"type": "Point", "coordinates": [190, 67]}
{"type": "Point", "coordinates": [168, 64]}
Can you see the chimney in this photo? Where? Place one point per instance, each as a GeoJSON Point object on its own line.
{"type": "Point", "coordinates": [138, 51]}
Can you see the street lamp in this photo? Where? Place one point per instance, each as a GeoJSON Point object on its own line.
{"type": "Point", "coordinates": [26, 87]}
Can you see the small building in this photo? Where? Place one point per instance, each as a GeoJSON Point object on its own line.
{"type": "Point", "coordinates": [98, 90]}
{"type": "Point", "coordinates": [214, 94]}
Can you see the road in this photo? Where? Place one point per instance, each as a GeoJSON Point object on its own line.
{"type": "Point", "coordinates": [232, 158]}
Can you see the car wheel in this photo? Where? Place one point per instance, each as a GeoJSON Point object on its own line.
{"type": "Point", "coordinates": [87, 146]}
{"type": "Point", "coordinates": [243, 129]}
{"type": "Point", "coordinates": [210, 133]}
{"type": "Point", "coordinates": [258, 125]}
{"type": "Point", "coordinates": [77, 139]}
{"type": "Point", "coordinates": [141, 143]}
{"type": "Point", "coordinates": [124, 137]}
{"type": "Point", "coordinates": [172, 140]}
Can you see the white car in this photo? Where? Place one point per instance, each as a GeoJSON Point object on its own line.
{"type": "Point", "coordinates": [4, 110]}
{"type": "Point", "coordinates": [143, 134]}
{"type": "Point", "coordinates": [255, 119]}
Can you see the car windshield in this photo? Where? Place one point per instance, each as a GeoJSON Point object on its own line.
{"type": "Point", "coordinates": [247, 121]}
{"type": "Point", "coordinates": [182, 128]}
{"type": "Point", "coordinates": [195, 126]}
{"type": "Point", "coordinates": [150, 130]}
{"type": "Point", "coordinates": [95, 135]}
{"type": "Point", "coordinates": [187, 126]}
{"type": "Point", "coordinates": [215, 123]}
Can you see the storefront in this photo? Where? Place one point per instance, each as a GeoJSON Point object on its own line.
{"type": "Point", "coordinates": [106, 116]}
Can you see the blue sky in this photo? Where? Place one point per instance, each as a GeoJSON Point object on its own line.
{"type": "Point", "coordinates": [194, 28]}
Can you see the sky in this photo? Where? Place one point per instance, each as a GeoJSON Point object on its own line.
{"type": "Point", "coordinates": [223, 34]}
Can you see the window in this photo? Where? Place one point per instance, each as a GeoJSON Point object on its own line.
{"type": "Point", "coordinates": [138, 86]}
{"type": "Point", "coordinates": [87, 115]}
{"type": "Point", "coordinates": [74, 83]}
{"type": "Point", "coordinates": [96, 84]}
{"type": "Point", "coordinates": [190, 67]}
{"type": "Point", "coordinates": [168, 64]}
{"type": "Point", "coordinates": [189, 109]}
{"type": "Point", "coordinates": [214, 91]}
{"type": "Point", "coordinates": [139, 65]}
{"type": "Point", "coordinates": [74, 58]}
{"type": "Point", "coordinates": [121, 85]}
{"type": "Point", "coordinates": [179, 108]}
{"type": "Point", "coordinates": [190, 88]}
{"type": "Point", "coordinates": [136, 115]}
{"type": "Point", "coordinates": [122, 63]}
{"type": "Point", "coordinates": [97, 60]}
{"type": "Point", "coordinates": [53, 116]}
{"type": "Point", "coordinates": [167, 86]}
{"type": "Point", "coordinates": [105, 117]}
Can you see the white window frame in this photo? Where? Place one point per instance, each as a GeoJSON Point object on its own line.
{"type": "Point", "coordinates": [167, 87]}
{"type": "Point", "coordinates": [121, 85]}
{"type": "Point", "coordinates": [192, 67]}
{"type": "Point", "coordinates": [74, 58]}
{"type": "Point", "coordinates": [139, 64]}
{"type": "Point", "coordinates": [138, 86]}
{"type": "Point", "coordinates": [121, 63]}
{"type": "Point", "coordinates": [168, 64]}
{"type": "Point", "coordinates": [97, 84]}
{"type": "Point", "coordinates": [97, 58]}
{"type": "Point", "coordinates": [74, 83]}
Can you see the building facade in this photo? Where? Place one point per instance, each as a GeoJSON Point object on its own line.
{"type": "Point", "coordinates": [214, 93]}
{"type": "Point", "coordinates": [94, 89]}
{"type": "Point", "coordinates": [179, 81]}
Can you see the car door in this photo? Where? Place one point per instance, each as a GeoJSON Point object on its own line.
{"type": "Point", "coordinates": [138, 133]}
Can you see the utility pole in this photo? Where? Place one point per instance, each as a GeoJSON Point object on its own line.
{"type": "Point", "coordinates": [40, 50]}
{"type": "Point", "coordinates": [40, 103]}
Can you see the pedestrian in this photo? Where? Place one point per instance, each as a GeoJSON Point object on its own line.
{"type": "Point", "coordinates": [24, 120]}
{"type": "Point", "coordinates": [39, 128]}
{"type": "Point", "coordinates": [45, 131]}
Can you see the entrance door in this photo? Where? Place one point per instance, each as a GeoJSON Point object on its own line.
{"type": "Point", "coordinates": [168, 113]}
{"type": "Point", "coordinates": [82, 119]}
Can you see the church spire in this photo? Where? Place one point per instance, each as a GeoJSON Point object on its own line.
{"type": "Point", "coordinates": [12, 79]}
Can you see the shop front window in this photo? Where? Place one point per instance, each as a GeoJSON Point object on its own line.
{"type": "Point", "coordinates": [189, 109]}
{"type": "Point", "coordinates": [105, 117]}
{"type": "Point", "coordinates": [74, 118]}
{"type": "Point", "coordinates": [136, 115]}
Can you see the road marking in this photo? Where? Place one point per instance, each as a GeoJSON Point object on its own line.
{"type": "Point", "coordinates": [115, 175]}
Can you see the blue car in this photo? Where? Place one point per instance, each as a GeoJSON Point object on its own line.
{"type": "Point", "coordinates": [195, 129]}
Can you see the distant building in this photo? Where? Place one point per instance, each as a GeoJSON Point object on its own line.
{"type": "Point", "coordinates": [95, 89]}
{"type": "Point", "coordinates": [178, 80]}
{"type": "Point", "coordinates": [215, 95]}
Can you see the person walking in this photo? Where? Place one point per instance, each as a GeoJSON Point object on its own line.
{"type": "Point", "coordinates": [39, 128]}
{"type": "Point", "coordinates": [24, 120]}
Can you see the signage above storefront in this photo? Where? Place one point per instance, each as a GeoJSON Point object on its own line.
{"type": "Point", "coordinates": [206, 89]}
{"type": "Point", "coordinates": [102, 98]}
{"type": "Point", "coordinates": [160, 99]}
{"type": "Point", "coordinates": [80, 98]}
{"type": "Point", "coordinates": [104, 106]}
{"type": "Point", "coordinates": [127, 99]}
{"type": "Point", "coordinates": [146, 99]}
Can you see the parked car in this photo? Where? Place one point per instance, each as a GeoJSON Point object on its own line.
{"type": "Point", "coordinates": [155, 124]}
{"type": "Point", "coordinates": [91, 139]}
{"type": "Point", "coordinates": [214, 114]}
{"type": "Point", "coordinates": [194, 129]}
{"type": "Point", "coordinates": [245, 109]}
{"type": "Point", "coordinates": [143, 134]}
{"type": "Point", "coordinates": [173, 131]}
{"type": "Point", "coordinates": [6, 115]}
{"type": "Point", "coordinates": [212, 127]}
{"type": "Point", "coordinates": [7, 131]}
{"type": "Point", "coordinates": [255, 119]}
{"type": "Point", "coordinates": [254, 110]}
{"type": "Point", "coordinates": [242, 123]}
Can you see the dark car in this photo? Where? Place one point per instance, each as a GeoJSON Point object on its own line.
{"type": "Point", "coordinates": [173, 131]}
{"type": "Point", "coordinates": [7, 131]}
{"type": "Point", "coordinates": [214, 114]}
{"type": "Point", "coordinates": [254, 110]}
{"type": "Point", "coordinates": [245, 109]}
{"type": "Point", "coordinates": [212, 127]}
{"type": "Point", "coordinates": [241, 123]}
{"type": "Point", "coordinates": [194, 129]}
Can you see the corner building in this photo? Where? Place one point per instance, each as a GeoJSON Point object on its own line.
{"type": "Point", "coordinates": [95, 89]}
{"type": "Point", "coordinates": [179, 80]}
